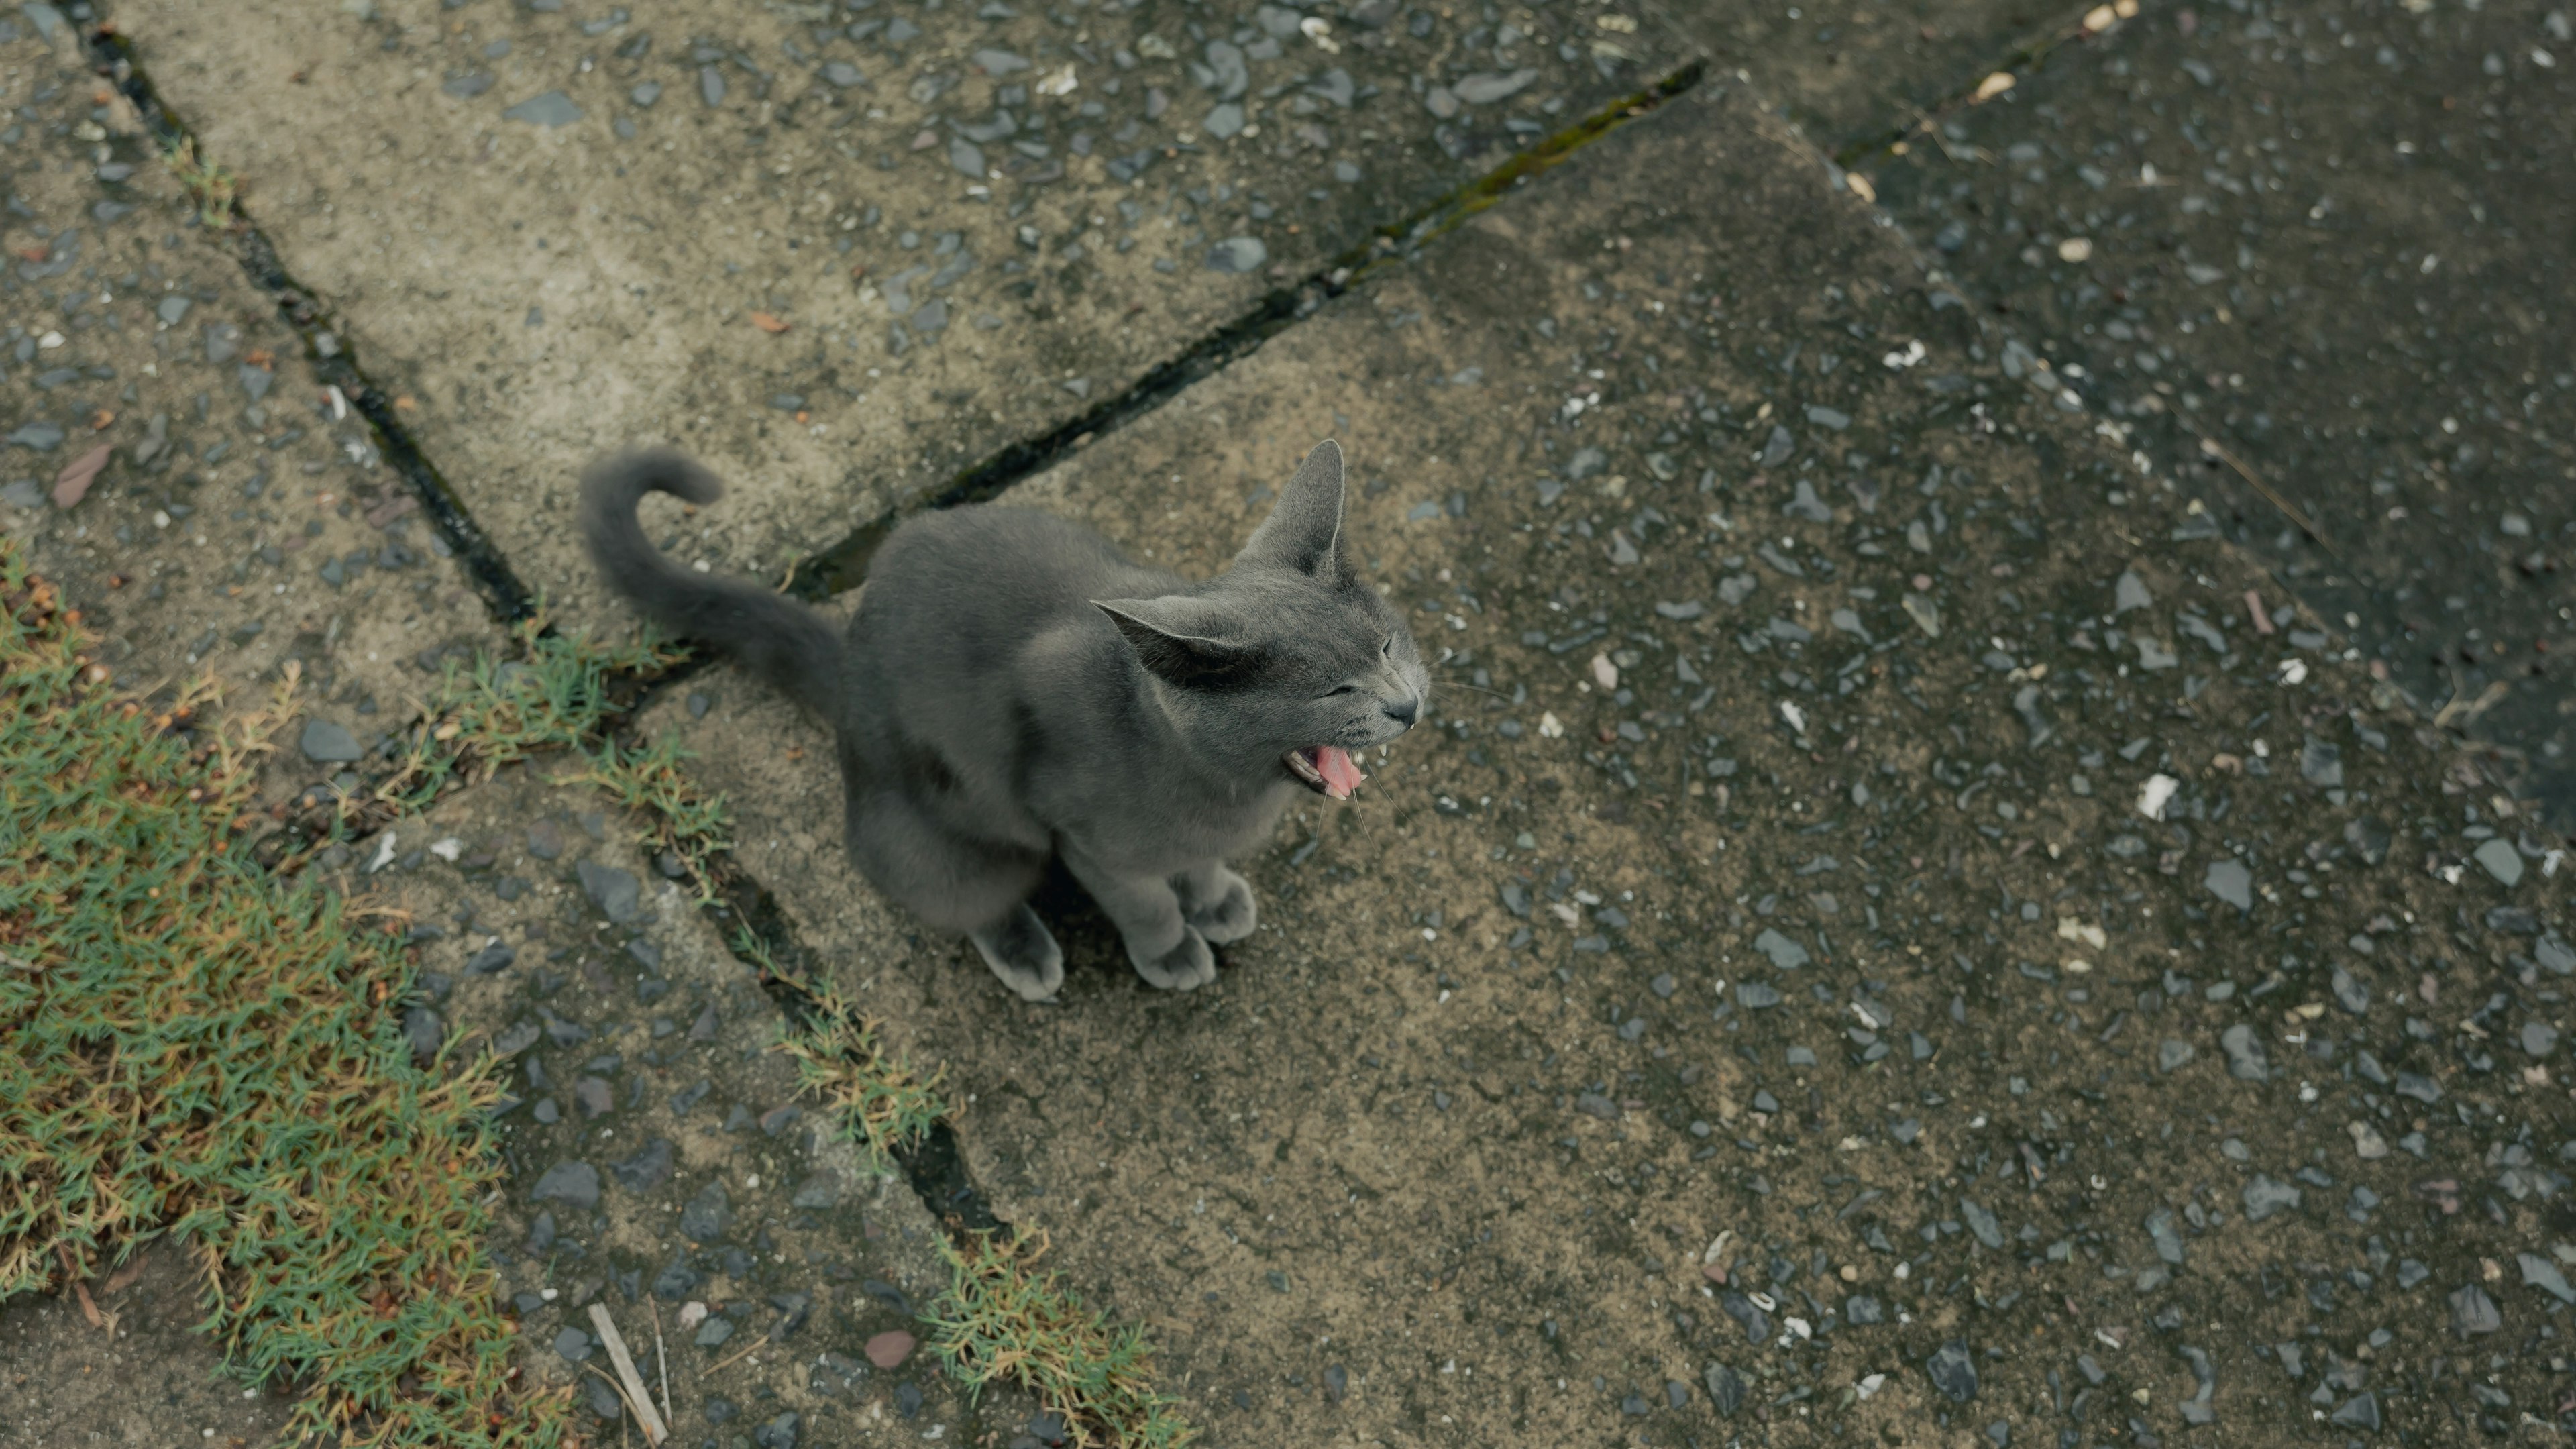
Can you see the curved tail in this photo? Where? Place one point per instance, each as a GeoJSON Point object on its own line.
{"type": "Point", "coordinates": [782, 641]}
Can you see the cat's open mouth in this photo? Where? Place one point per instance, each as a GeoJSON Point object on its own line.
{"type": "Point", "coordinates": [1325, 769]}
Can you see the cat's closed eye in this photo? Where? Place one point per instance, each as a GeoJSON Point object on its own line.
{"type": "Point", "coordinates": [1339, 690]}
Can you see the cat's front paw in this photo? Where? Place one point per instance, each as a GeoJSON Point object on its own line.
{"type": "Point", "coordinates": [1230, 916]}
{"type": "Point", "coordinates": [1185, 967]}
{"type": "Point", "coordinates": [1023, 954]}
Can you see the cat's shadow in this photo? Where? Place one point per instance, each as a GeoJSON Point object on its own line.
{"type": "Point", "coordinates": [1093, 954]}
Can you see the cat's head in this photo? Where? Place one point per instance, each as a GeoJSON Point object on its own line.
{"type": "Point", "coordinates": [1288, 664]}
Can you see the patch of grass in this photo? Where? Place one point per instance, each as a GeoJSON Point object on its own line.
{"type": "Point", "coordinates": [1001, 1319]}
{"type": "Point", "coordinates": [558, 694]}
{"type": "Point", "coordinates": [212, 187]}
{"type": "Point", "coordinates": [876, 1098]}
{"type": "Point", "coordinates": [200, 1050]}
{"type": "Point", "coordinates": [690, 826]}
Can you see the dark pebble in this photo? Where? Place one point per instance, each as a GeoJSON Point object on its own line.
{"type": "Point", "coordinates": [2245, 1056]}
{"type": "Point", "coordinates": [426, 1033]}
{"type": "Point", "coordinates": [2473, 1312]}
{"type": "Point", "coordinates": [615, 892]}
{"type": "Point", "coordinates": [1725, 1389]}
{"type": "Point", "coordinates": [1952, 1371]}
{"type": "Point", "coordinates": [1756, 1323]}
{"type": "Point", "coordinates": [574, 1184]}
{"type": "Point", "coordinates": [676, 1282]}
{"type": "Point", "coordinates": [706, 1217]}
{"type": "Point", "coordinates": [326, 743]}
{"type": "Point", "coordinates": [2361, 1411]}
{"type": "Point", "coordinates": [647, 1169]}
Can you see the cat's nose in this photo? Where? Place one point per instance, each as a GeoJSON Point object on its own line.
{"type": "Point", "coordinates": [1404, 711]}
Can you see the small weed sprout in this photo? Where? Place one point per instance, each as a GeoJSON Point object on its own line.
{"type": "Point", "coordinates": [1001, 1319]}
{"type": "Point", "coordinates": [877, 1100]}
{"type": "Point", "coordinates": [214, 188]}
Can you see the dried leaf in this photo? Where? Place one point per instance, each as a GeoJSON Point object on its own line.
{"type": "Point", "coordinates": [72, 484]}
{"type": "Point", "coordinates": [767, 323]}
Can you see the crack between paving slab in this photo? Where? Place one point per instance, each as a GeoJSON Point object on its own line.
{"type": "Point", "coordinates": [839, 568]}
{"type": "Point", "coordinates": [112, 57]}
{"type": "Point", "coordinates": [936, 1165]}
{"type": "Point", "coordinates": [2018, 61]}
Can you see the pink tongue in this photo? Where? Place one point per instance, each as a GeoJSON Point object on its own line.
{"type": "Point", "coordinates": [1341, 776]}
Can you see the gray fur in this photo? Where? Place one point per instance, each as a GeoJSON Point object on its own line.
{"type": "Point", "coordinates": [1013, 688]}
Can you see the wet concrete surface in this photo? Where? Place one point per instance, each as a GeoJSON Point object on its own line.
{"type": "Point", "coordinates": [1770, 909]}
{"type": "Point", "coordinates": [1847, 71]}
{"type": "Point", "coordinates": [2327, 240]}
{"type": "Point", "coordinates": [1917, 916]}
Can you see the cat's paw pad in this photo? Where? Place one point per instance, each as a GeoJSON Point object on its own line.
{"type": "Point", "coordinates": [1185, 967]}
{"type": "Point", "coordinates": [1231, 916]}
{"type": "Point", "coordinates": [1023, 955]}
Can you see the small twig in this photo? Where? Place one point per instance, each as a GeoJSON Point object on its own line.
{"type": "Point", "coordinates": [631, 1383]}
{"type": "Point", "coordinates": [661, 1363]}
{"type": "Point", "coordinates": [737, 1358]}
{"type": "Point", "coordinates": [2307, 525]}
{"type": "Point", "coordinates": [622, 1397]}
{"type": "Point", "coordinates": [2461, 710]}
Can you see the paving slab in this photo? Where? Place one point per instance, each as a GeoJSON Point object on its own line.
{"type": "Point", "coordinates": [845, 250]}
{"type": "Point", "coordinates": [169, 458]}
{"type": "Point", "coordinates": [661, 1161]}
{"type": "Point", "coordinates": [2329, 239]}
{"type": "Point", "coordinates": [1881, 937]}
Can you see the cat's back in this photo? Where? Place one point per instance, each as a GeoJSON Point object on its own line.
{"type": "Point", "coordinates": [1002, 563]}
{"type": "Point", "coordinates": [990, 578]}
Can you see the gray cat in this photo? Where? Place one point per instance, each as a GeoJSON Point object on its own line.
{"type": "Point", "coordinates": [1014, 688]}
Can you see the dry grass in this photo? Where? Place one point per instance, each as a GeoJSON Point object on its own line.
{"type": "Point", "coordinates": [202, 1051]}
{"type": "Point", "coordinates": [1004, 1320]}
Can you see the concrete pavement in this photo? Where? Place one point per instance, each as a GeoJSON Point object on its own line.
{"type": "Point", "coordinates": [1902, 925]}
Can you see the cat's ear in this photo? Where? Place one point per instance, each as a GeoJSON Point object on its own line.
{"type": "Point", "coordinates": [1180, 638]}
{"type": "Point", "coordinates": [1304, 533]}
